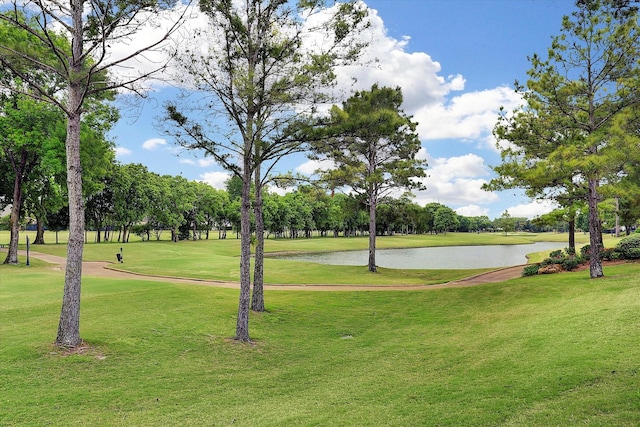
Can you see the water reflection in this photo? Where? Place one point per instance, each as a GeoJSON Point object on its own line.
{"type": "Point", "coordinates": [450, 257]}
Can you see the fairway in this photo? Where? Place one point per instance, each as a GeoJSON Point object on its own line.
{"type": "Point", "coordinates": [544, 350]}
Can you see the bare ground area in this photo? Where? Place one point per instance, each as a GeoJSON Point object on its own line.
{"type": "Point", "coordinates": [106, 269]}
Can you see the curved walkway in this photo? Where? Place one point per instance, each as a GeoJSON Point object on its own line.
{"type": "Point", "coordinates": [105, 269]}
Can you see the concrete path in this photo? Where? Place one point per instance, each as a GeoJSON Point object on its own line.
{"type": "Point", "coordinates": [106, 269]}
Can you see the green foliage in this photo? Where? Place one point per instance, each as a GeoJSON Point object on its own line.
{"type": "Point", "coordinates": [578, 126]}
{"type": "Point", "coordinates": [629, 247]}
{"type": "Point", "coordinates": [530, 270]}
{"type": "Point", "coordinates": [566, 259]}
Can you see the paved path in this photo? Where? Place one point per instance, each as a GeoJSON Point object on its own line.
{"type": "Point", "coordinates": [106, 269]}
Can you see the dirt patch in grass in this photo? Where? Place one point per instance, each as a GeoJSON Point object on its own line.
{"type": "Point", "coordinates": [83, 349]}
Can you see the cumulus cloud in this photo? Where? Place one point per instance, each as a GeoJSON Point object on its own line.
{"type": "Point", "coordinates": [153, 29]}
{"type": "Point", "coordinates": [456, 181]}
{"type": "Point", "coordinates": [187, 161]}
{"type": "Point", "coordinates": [472, 210]}
{"type": "Point", "coordinates": [470, 116]}
{"type": "Point", "coordinates": [533, 209]}
{"type": "Point", "coordinates": [311, 166]}
{"type": "Point", "coordinates": [215, 179]}
{"type": "Point", "coordinates": [122, 152]}
{"type": "Point", "coordinates": [152, 144]}
{"type": "Point", "coordinates": [388, 63]}
{"type": "Point", "coordinates": [206, 162]}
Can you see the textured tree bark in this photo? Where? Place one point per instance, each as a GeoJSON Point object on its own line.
{"type": "Point", "coordinates": [572, 234]}
{"type": "Point", "coordinates": [257, 298]}
{"type": "Point", "coordinates": [595, 264]}
{"type": "Point", "coordinates": [39, 240]}
{"type": "Point", "coordinates": [372, 233]}
{"type": "Point", "coordinates": [242, 324]}
{"type": "Point", "coordinates": [69, 326]}
{"type": "Point", "coordinates": [12, 254]}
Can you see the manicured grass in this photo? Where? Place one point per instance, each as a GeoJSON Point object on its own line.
{"type": "Point", "coordinates": [218, 259]}
{"type": "Point", "coordinates": [544, 350]}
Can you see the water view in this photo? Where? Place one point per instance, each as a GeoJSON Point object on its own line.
{"type": "Point", "coordinates": [449, 257]}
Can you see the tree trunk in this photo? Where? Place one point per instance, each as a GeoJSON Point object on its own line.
{"type": "Point", "coordinates": [572, 235]}
{"type": "Point", "coordinates": [595, 263]}
{"type": "Point", "coordinates": [242, 324]}
{"type": "Point", "coordinates": [69, 326]}
{"type": "Point", "coordinates": [39, 240]}
{"type": "Point", "coordinates": [372, 234]}
{"type": "Point", "coordinates": [257, 299]}
{"type": "Point", "coordinates": [12, 254]}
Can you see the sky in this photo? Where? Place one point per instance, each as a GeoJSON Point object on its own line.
{"type": "Point", "coordinates": [456, 62]}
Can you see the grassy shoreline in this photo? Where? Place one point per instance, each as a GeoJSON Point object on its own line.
{"type": "Point", "coordinates": [218, 259]}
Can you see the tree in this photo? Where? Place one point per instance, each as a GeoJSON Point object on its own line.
{"type": "Point", "coordinates": [47, 190]}
{"type": "Point", "coordinates": [566, 132]}
{"type": "Point", "coordinates": [374, 149]}
{"type": "Point", "coordinates": [505, 222]}
{"type": "Point", "coordinates": [261, 73]}
{"type": "Point", "coordinates": [81, 69]}
{"type": "Point", "coordinates": [30, 144]}
{"type": "Point", "coordinates": [131, 189]}
{"type": "Point", "coordinates": [444, 219]}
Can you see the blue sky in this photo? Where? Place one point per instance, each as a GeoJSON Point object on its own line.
{"type": "Point", "coordinates": [456, 61]}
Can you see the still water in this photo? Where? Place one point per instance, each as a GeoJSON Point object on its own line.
{"type": "Point", "coordinates": [450, 257]}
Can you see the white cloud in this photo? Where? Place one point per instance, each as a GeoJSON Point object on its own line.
{"type": "Point", "coordinates": [469, 116]}
{"type": "Point", "coordinates": [206, 162]}
{"type": "Point", "coordinates": [216, 179]}
{"type": "Point", "coordinates": [531, 210]}
{"type": "Point", "coordinates": [387, 63]}
{"type": "Point", "coordinates": [311, 166]}
{"type": "Point", "coordinates": [152, 144]}
{"type": "Point", "coordinates": [187, 161]}
{"type": "Point", "coordinates": [153, 30]}
{"type": "Point", "coordinates": [472, 210]}
{"type": "Point", "coordinates": [456, 181]}
{"type": "Point", "coordinates": [122, 151]}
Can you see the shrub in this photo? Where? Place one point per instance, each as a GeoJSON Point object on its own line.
{"type": "Point", "coordinates": [629, 247]}
{"type": "Point", "coordinates": [530, 270]}
{"type": "Point", "coordinates": [570, 263]}
{"type": "Point", "coordinates": [567, 259]}
{"type": "Point", "coordinates": [610, 254]}
{"type": "Point", "coordinates": [584, 252]}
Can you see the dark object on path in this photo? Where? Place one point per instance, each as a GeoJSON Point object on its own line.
{"type": "Point", "coordinates": [120, 257]}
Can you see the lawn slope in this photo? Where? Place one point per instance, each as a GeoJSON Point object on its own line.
{"type": "Point", "coordinates": [545, 350]}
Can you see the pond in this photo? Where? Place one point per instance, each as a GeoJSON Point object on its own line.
{"type": "Point", "coordinates": [447, 257]}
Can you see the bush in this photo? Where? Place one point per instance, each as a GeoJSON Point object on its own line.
{"type": "Point", "coordinates": [556, 254]}
{"type": "Point", "coordinates": [567, 259]}
{"type": "Point", "coordinates": [530, 270]}
{"type": "Point", "coordinates": [629, 247]}
{"type": "Point", "coordinates": [584, 252]}
{"type": "Point", "coordinates": [570, 263]}
{"type": "Point", "coordinates": [610, 254]}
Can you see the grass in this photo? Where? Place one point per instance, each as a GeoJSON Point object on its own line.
{"type": "Point", "coordinates": [218, 259]}
{"type": "Point", "coordinates": [544, 350]}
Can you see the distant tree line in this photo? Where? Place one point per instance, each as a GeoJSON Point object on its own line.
{"type": "Point", "coordinates": [131, 199]}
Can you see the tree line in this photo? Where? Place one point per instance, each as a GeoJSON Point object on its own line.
{"type": "Point", "coordinates": [132, 199]}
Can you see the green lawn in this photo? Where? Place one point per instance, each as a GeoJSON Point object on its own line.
{"type": "Point", "coordinates": [545, 350]}
{"type": "Point", "coordinates": [218, 259]}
